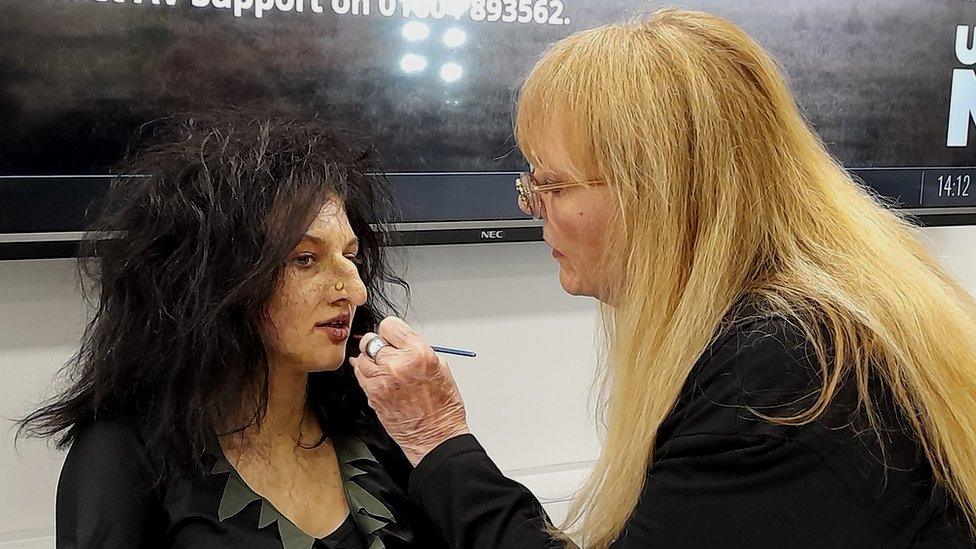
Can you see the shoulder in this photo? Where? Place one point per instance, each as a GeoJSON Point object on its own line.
{"type": "Point", "coordinates": [108, 448]}
{"type": "Point", "coordinates": [760, 367]}
{"type": "Point", "coordinates": [750, 330]}
{"type": "Point", "coordinates": [105, 438]}
{"type": "Point", "coordinates": [114, 434]}
{"type": "Point", "coordinates": [763, 375]}
{"type": "Point", "coordinates": [106, 496]}
{"type": "Point", "coordinates": [765, 363]}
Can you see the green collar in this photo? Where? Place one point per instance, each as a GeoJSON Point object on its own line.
{"type": "Point", "coordinates": [369, 513]}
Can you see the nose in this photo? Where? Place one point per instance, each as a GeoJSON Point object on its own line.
{"type": "Point", "coordinates": [356, 292]}
{"type": "Point", "coordinates": [350, 287]}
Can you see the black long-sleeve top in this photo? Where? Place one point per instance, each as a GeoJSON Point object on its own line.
{"type": "Point", "coordinates": [111, 496]}
{"type": "Point", "coordinates": [723, 477]}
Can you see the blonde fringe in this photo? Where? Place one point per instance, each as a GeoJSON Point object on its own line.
{"type": "Point", "coordinates": [725, 192]}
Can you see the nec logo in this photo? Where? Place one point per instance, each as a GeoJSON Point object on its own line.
{"type": "Point", "coordinates": [493, 235]}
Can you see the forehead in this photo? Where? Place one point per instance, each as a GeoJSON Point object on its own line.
{"type": "Point", "coordinates": [331, 221]}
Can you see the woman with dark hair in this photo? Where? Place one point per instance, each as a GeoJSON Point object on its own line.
{"type": "Point", "coordinates": [211, 403]}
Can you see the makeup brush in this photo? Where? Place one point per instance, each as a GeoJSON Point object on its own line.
{"type": "Point", "coordinates": [443, 350]}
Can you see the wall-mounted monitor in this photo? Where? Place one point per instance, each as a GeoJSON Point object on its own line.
{"type": "Point", "coordinates": [889, 84]}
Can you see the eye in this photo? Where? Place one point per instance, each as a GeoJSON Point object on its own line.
{"type": "Point", "coordinates": [356, 258]}
{"type": "Point", "coordinates": [304, 261]}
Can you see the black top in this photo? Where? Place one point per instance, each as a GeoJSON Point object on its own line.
{"type": "Point", "coordinates": [109, 498]}
{"type": "Point", "coordinates": [722, 477]}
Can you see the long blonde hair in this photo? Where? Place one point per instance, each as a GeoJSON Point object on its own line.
{"type": "Point", "coordinates": [724, 191]}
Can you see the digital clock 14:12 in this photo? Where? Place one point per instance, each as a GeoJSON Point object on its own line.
{"type": "Point", "coordinates": [954, 185]}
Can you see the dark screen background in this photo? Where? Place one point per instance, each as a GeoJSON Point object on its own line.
{"type": "Point", "coordinates": [77, 79]}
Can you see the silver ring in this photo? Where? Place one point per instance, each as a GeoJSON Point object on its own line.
{"type": "Point", "coordinates": [374, 346]}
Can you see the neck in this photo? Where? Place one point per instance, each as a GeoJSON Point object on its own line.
{"type": "Point", "coordinates": [287, 422]}
{"type": "Point", "coordinates": [287, 413]}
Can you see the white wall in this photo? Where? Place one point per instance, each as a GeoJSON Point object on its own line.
{"type": "Point", "coordinates": [526, 393]}
{"type": "Point", "coordinates": [41, 317]}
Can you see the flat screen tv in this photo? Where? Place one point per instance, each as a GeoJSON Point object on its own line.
{"type": "Point", "coordinates": [889, 84]}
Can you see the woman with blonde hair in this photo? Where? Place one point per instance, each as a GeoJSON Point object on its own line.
{"type": "Point", "coordinates": [787, 365]}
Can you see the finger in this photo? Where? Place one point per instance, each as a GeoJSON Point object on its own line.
{"type": "Point", "coordinates": [357, 371]}
{"type": "Point", "coordinates": [381, 353]}
{"type": "Point", "coordinates": [368, 385]}
{"type": "Point", "coordinates": [363, 366]}
{"type": "Point", "coordinates": [364, 341]}
{"type": "Point", "coordinates": [399, 334]}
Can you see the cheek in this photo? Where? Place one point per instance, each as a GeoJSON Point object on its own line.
{"type": "Point", "coordinates": [290, 311]}
{"type": "Point", "coordinates": [575, 230]}
{"type": "Point", "coordinates": [564, 221]}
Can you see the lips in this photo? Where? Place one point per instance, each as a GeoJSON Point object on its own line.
{"type": "Point", "coordinates": [337, 328]}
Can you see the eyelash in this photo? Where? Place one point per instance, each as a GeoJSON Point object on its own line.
{"type": "Point", "coordinates": [356, 259]}
{"type": "Point", "coordinates": [299, 257]}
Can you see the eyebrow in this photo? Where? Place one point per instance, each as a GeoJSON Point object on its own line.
{"type": "Point", "coordinates": [546, 178]}
{"type": "Point", "coordinates": [315, 239]}
{"type": "Point", "coordinates": [354, 241]}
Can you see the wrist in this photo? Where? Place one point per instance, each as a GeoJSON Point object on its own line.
{"type": "Point", "coordinates": [417, 451]}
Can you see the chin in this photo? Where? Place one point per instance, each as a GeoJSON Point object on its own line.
{"type": "Point", "coordinates": [569, 284]}
{"type": "Point", "coordinates": [572, 291]}
{"type": "Point", "coordinates": [330, 365]}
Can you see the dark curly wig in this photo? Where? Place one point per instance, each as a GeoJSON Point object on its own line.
{"type": "Point", "coordinates": [183, 260]}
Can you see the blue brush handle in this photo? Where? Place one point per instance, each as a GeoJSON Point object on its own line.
{"type": "Point", "coordinates": [457, 352]}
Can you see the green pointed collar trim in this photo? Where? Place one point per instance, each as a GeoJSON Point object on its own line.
{"type": "Point", "coordinates": [368, 512]}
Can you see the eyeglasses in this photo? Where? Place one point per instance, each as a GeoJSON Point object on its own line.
{"type": "Point", "coordinates": [530, 190]}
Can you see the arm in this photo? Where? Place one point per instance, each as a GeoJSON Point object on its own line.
{"type": "Point", "coordinates": [104, 494]}
{"type": "Point", "coordinates": [472, 504]}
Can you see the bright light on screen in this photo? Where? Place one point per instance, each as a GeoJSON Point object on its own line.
{"type": "Point", "coordinates": [416, 31]}
{"type": "Point", "coordinates": [451, 8]}
{"type": "Point", "coordinates": [451, 72]}
{"type": "Point", "coordinates": [413, 63]}
{"type": "Point", "coordinates": [455, 37]}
